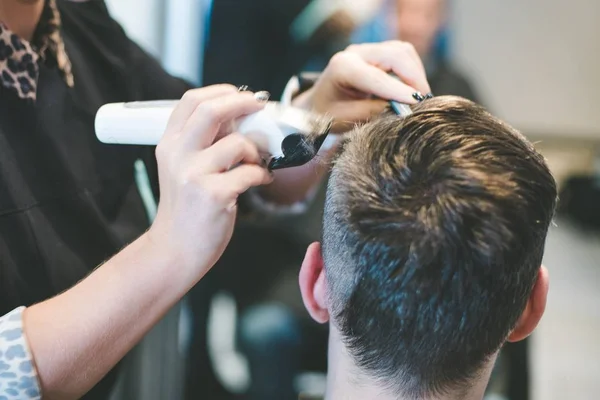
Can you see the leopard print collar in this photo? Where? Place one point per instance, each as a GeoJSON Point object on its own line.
{"type": "Point", "coordinates": [19, 58]}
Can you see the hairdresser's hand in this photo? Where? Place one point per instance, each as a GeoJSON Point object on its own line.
{"type": "Point", "coordinates": [199, 181]}
{"type": "Point", "coordinates": [356, 79]}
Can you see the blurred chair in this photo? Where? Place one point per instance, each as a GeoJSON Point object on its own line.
{"type": "Point", "coordinates": [239, 334]}
{"type": "Point", "coordinates": [270, 337]}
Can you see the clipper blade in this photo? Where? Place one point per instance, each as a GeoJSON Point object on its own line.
{"type": "Point", "coordinates": [302, 146]}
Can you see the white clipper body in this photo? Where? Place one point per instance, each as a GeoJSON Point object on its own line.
{"type": "Point", "coordinates": [143, 123]}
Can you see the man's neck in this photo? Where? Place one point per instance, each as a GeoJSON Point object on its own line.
{"type": "Point", "coordinates": [21, 16]}
{"type": "Point", "coordinates": [345, 381]}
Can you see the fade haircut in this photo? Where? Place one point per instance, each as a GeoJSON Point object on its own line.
{"type": "Point", "coordinates": [434, 231]}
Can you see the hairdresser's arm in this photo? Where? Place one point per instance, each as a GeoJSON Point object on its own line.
{"type": "Point", "coordinates": [350, 90]}
{"type": "Point", "coordinates": [78, 336]}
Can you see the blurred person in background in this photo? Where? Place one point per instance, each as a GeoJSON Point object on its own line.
{"type": "Point", "coordinates": [422, 23]}
{"type": "Point", "coordinates": [377, 29]}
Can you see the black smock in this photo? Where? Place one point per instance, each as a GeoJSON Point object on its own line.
{"type": "Point", "coordinates": [67, 201]}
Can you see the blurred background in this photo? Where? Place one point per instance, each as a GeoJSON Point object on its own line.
{"type": "Point", "coordinates": [534, 63]}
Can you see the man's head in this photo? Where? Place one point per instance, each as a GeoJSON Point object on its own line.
{"type": "Point", "coordinates": [419, 22]}
{"type": "Point", "coordinates": [434, 231]}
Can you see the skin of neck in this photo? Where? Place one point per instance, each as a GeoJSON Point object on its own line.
{"type": "Point", "coordinates": [346, 382]}
{"type": "Point", "coordinates": [21, 16]}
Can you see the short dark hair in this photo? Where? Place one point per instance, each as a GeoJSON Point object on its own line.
{"type": "Point", "coordinates": [434, 231]}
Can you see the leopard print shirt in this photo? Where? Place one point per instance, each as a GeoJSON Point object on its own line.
{"type": "Point", "coordinates": [19, 68]}
{"type": "Point", "coordinates": [18, 377]}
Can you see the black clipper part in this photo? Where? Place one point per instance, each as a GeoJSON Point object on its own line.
{"type": "Point", "coordinates": [299, 148]}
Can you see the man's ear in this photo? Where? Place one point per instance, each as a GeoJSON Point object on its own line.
{"type": "Point", "coordinates": [534, 309]}
{"type": "Point", "coordinates": [313, 284]}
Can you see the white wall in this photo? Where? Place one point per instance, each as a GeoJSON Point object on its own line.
{"type": "Point", "coordinates": [142, 20]}
{"type": "Point", "coordinates": [537, 62]}
{"type": "Point", "coordinates": [171, 30]}
{"type": "Point", "coordinates": [185, 26]}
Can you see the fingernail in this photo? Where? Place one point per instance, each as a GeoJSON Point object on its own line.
{"type": "Point", "coordinates": [429, 96]}
{"type": "Point", "coordinates": [418, 96]}
{"type": "Point", "coordinates": [262, 96]}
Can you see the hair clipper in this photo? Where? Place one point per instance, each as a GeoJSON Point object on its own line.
{"type": "Point", "coordinates": [289, 135]}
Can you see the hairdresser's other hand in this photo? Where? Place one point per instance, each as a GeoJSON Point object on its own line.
{"type": "Point", "coordinates": [356, 79]}
{"type": "Point", "coordinates": [200, 179]}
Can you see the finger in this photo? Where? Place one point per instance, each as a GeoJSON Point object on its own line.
{"type": "Point", "coordinates": [415, 55]}
{"type": "Point", "coordinates": [228, 152]}
{"type": "Point", "coordinates": [205, 122]}
{"type": "Point", "coordinates": [353, 71]}
{"type": "Point", "coordinates": [242, 178]}
{"type": "Point", "coordinates": [406, 48]}
{"type": "Point", "coordinates": [398, 57]}
{"type": "Point", "coordinates": [401, 58]}
{"type": "Point", "coordinates": [190, 100]}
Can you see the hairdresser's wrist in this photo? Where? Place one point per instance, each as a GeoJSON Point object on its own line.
{"type": "Point", "coordinates": [183, 270]}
